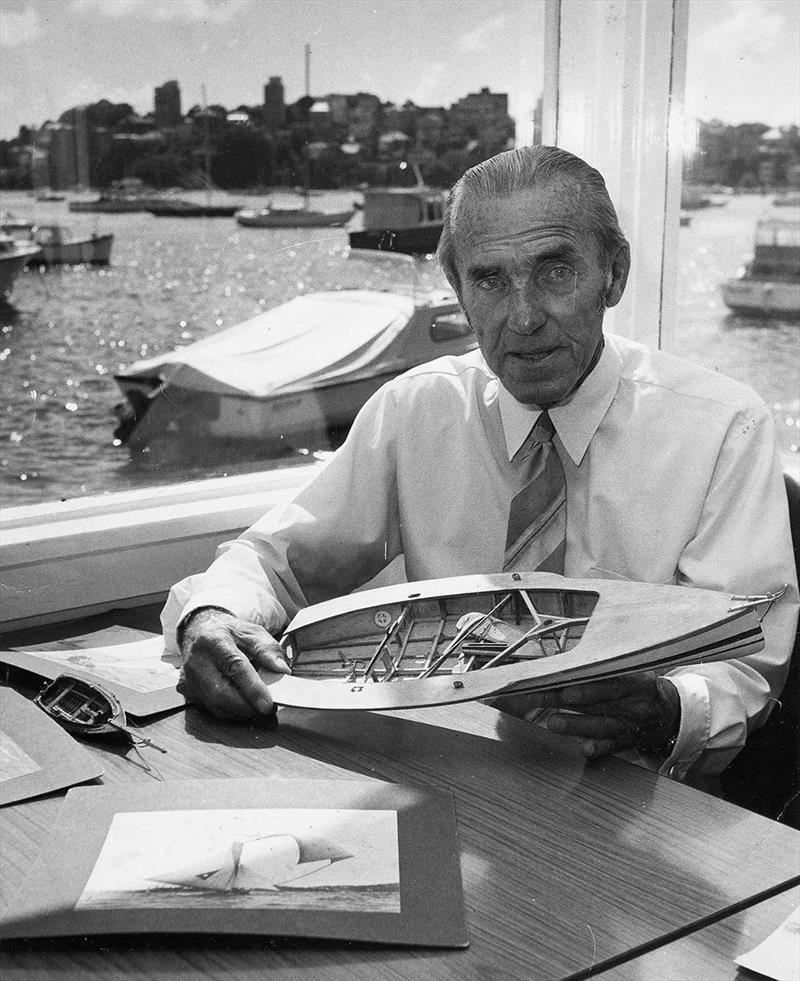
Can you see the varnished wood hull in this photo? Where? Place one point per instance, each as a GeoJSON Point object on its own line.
{"type": "Point", "coordinates": [352, 654]}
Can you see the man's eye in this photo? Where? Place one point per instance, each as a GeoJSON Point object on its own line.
{"type": "Point", "coordinates": [489, 283]}
{"type": "Point", "coordinates": [558, 277]}
{"type": "Point", "coordinates": [558, 274]}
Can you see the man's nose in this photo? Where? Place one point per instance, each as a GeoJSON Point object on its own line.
{"type": "Point", "coordinates": [526, 315]}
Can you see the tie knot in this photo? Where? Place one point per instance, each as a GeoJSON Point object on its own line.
{"type": "Point", "coordinates": [543, 429]}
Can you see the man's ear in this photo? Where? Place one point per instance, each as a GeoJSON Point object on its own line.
{"type": "Point", "coordinates": [617, 277]}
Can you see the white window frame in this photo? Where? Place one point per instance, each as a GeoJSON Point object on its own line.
{"type": "Point", "coordinates": [615, 74]}
{"type": "Point", "coordinates": [74, 558]}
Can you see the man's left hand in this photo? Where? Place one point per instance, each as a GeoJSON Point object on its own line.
{"type": "Point", "coordinates": [635, 710]}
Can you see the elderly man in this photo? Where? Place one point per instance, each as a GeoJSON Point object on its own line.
{"type": "Point", "coordinates": [632, 464]}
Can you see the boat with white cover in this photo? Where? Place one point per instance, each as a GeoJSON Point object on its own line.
{"type": "Point", "coordinates": [304, 367]}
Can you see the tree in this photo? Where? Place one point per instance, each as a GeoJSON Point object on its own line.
{"type": "Point", "coordinates": [242, 157]}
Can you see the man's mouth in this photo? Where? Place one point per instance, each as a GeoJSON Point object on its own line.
{"type": "Point", "coordinates": [534, 357]}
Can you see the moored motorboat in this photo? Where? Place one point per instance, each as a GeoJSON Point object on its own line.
{"type": "Point", "coordinates": [769, 284]}
{"type": "Point", "coordinates": [114, 204]}
{"type": "Point", "coordinates": [182, 208]}
{"type": "Point", "coordinates": [20, 229]}
{"type": "Point", "coordinates": [14, 256]}
{"type": "Point", "coordinates": [304, 367]}
{"type": "Point", "coordinates": [272, 217]}
{"type": "Point", "coordinates": [401, 219]}
{"type": "Point", "coordinates": [59, 246]}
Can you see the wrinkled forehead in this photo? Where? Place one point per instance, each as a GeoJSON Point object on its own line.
{"type": "Point", "coordinates": [558, 209]}
{"type": "Point", "coordinates": [558, 199]}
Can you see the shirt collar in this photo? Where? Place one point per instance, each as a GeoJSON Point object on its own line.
{"type": "Point", "coordinates": [576, 420]}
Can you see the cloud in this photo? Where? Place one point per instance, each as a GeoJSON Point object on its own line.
{"type": "Point", "coordinates": [161, 11]}
{"type": "Point", "coordinates": [427, 91]}
{"type": "Point", "coordinates": [477, 39]}
{"type": "Point", "coordinates": [18, 27]}
{"type": "Point", "coordinates": [742, 63]}
{"type": "Point", "coordinates": [749, 32]}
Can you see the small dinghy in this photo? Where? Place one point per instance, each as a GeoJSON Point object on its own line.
{"type": "Point", "coordinates": [452, 640]}
{"type": "Point", "coordinates": [85, 709]}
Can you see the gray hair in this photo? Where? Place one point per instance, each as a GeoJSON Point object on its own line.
{"type": "Point", "coordinates": [522, 169]}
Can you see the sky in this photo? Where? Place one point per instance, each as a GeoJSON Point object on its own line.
{"type": "Point", "coordinates": [742, 63]}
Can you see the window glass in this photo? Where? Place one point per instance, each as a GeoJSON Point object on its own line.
{"type": "Point", "coordinates": [739, 273]}
{"type": "Point", "coordinates": [261, 106]}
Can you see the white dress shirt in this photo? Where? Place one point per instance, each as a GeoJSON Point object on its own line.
{"type": "Point", "coordinates": [672, 476]}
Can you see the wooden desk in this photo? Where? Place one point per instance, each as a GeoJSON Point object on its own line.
{"type": "Point", "coordinates": [708, 953]}
{"type": "Point", "coordinates": [566, 865]}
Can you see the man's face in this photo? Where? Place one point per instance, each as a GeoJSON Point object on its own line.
{"type": "Point", "coordinates": [533, 287]}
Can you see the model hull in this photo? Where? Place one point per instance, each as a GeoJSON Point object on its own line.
{"type": "Point", "coordinates": [425, 643]}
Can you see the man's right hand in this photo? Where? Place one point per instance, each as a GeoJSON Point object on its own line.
{"type": "Point", "coordinates": [222, 656]}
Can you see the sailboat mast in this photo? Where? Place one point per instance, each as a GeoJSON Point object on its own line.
{"type": "Point", "coordinates": [206, 142]}
{"type": "Point", "coordinates": [306, 151]}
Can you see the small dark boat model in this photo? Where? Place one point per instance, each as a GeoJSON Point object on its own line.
{"type": "Point", "coordinates": [86, 709]}
{"type": "Point", "coordinates": [472, 637]}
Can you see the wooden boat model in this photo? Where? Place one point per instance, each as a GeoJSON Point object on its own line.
{"type": "Point", "coordinates": [81, 707]}
{"type": "Point", "coordinates": [452, 640]}
{"type": "Point", "coordinates": [87, 709]}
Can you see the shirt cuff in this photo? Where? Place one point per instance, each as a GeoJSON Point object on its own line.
{"type": "Point", "coordinates": [183, 601]}
{"type": "Point", "coordinates": [695, 726]}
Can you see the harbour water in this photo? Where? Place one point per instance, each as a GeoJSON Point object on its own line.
{"type": "Point", "coordinates": [173, 280]}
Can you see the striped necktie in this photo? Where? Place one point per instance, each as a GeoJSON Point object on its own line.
{"type": "Point", "coordinates": [537, 520]}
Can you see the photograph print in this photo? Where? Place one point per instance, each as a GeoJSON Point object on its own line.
{"type": "Point", "coordinates": [300, 859]}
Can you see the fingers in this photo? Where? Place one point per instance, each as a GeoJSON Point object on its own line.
{"type": "Point", "coordinates": [218, 670]}
{"type": "Point", "coordinates": [645, 714]}
{"type": "Point", "coordinates": [609, 690]}
{"type": "Point", "coordinates": [598, 727]}
{"type": "Point", "coordinates": [593, 748]}
{"type": "Point", "coordinates": [523, 706]}
{"type": "Point", "coordinates": [262, 648]}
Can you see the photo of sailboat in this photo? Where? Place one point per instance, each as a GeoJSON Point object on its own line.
{"type": "Point", "coordinates": [264, 863]}
{"type": "Point", "coordinates": [338, 859]}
